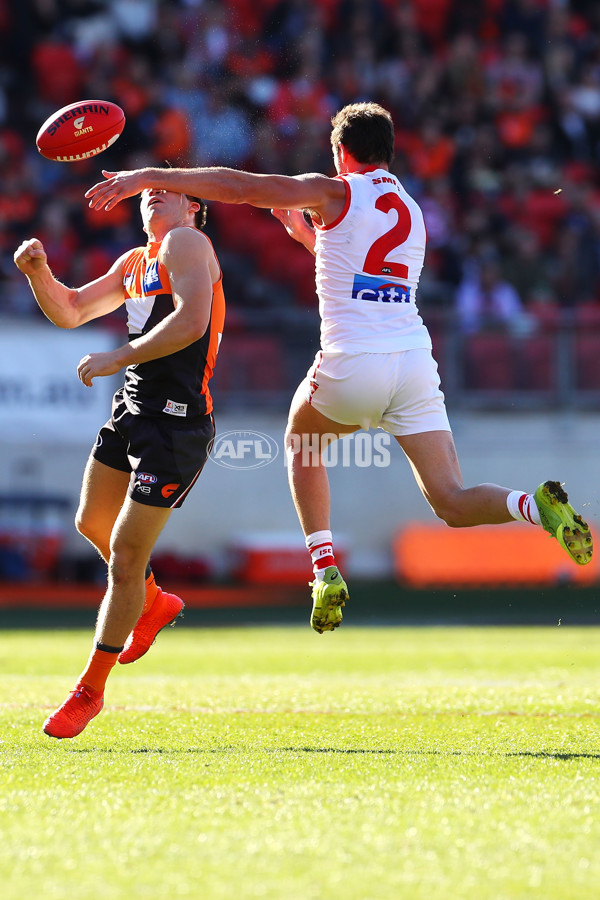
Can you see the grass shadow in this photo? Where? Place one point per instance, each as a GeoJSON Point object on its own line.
{"type": "Point", "coordinates": [344, 751]}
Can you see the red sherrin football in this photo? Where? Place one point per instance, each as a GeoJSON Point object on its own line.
{"type": "Point", "coordinates": [80, 130]}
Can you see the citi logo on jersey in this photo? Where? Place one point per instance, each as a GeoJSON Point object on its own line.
{"type": "Point", "coordinates": [369, 287]}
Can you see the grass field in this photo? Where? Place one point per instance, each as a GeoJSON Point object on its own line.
{"type": "Point", "coordinates": [426, 764]}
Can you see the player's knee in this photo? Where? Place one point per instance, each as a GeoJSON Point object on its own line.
{"type": "Point", "coordinates": [125, 564]}
{"type": "Point", "coordinates": [84, 524]}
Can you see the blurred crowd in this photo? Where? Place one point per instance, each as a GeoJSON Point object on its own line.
{"type": "Point", "coordinates": [497, 112]}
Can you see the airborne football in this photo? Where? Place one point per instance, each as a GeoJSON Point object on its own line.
{"type": "Point", "coordinates": [80, 130]}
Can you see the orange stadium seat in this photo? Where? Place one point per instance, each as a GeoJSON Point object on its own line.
{"type": "Point", "coordinates": [433, 555]}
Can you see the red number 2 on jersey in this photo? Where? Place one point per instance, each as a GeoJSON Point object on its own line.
{"type": "Point", "coordinates": [375, 262]}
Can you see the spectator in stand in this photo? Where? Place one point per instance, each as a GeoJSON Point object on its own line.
{"type": "Point", "coordinates": [486, 302]}
{"type": "Point", "coordinates": [525, 266]}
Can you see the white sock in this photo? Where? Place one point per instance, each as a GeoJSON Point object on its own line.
{"type": "Point", "coordinates": [523, 507]}
{"type": "Point", "coordinates": [320, 546]}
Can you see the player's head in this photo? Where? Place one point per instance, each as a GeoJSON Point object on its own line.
{"type": "Point", "coordinates": [366, 131]}
{"type": "Point", "coordinates": [162, 210]}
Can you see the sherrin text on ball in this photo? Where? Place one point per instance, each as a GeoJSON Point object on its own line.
{"type": "Point", "coordinates": [80, 130]}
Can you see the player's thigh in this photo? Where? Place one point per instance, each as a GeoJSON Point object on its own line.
{"type": "Point", "coordinates": [416, 403]}
{"type": "Point", "coordinates": [434, 461]}
{"type": "Point", "coordinates": [136, 531]}
{"type": "Point", "coordinates": [304, 419]}
{"type": "Point", "coordinates": [103, 491]}
{"type": "Point", "coordinates": [349, 390]}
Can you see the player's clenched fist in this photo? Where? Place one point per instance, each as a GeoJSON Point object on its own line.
{"type": "Point", "coordinates": [30, 256]}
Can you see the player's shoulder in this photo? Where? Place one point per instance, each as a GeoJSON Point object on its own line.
{"type": "Point", "coordinates": [128, 258]}
{"type": "Point", "coordinates": [183, 239]}
{"type": "Point", "coordinates": [327, 184]}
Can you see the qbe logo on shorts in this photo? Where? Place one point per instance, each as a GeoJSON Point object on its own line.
{"type": "Point", "coordinates": [370, 287]}
{"type": "Point", "coordinates": [244, 450]}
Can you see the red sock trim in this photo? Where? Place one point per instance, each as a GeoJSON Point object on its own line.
{"type": "Point", "coordinates": [524, 503]}
{"type": "Point", "coordinates": [322, 555]}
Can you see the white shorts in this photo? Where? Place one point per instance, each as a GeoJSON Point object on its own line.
{"type": "Point", "coordinates": [399, 392]}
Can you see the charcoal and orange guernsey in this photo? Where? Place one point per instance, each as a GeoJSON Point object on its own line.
{"type": "Point", "coordinates": [185, 374]}
{"type": "Point", "coordinates": [80, 707]}
{"type": "Point", "coordinates": [165, 610]}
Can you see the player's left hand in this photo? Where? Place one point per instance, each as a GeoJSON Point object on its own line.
{"type": "Point", "coordinates": [295, 224]}
{"type": "Point", "coordinates": [292, 220]}
{"type": "Point", "coordinates": [98, 364]}
{"type": "Point", "coordinates": [117, 186]}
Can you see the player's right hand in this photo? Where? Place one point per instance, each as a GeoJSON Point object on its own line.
{"type": "Point", "coordinates": [30, 256]}
{"type": "Point", "coordinates": [116, 187]}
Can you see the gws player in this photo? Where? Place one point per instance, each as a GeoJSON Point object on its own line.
{"type": "Point", "coordinates": [152, 449]}
{"type": "Point", "coordinates": [375, 368]}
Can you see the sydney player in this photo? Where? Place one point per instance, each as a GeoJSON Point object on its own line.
{"type": "Point", "coordinates": [149, 454]}
{"type": "Point", "coordinates": [375, 367]}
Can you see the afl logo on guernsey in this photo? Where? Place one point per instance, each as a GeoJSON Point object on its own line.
{"type": "Point", "coordinates": [151, 277]}
{"type": "Point", "coordinates": [369, 287]}
{"type": "Point", "coordinates": [146, 478]}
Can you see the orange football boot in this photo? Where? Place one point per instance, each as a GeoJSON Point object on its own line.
{"type": "Point", "coordinates": [79, 708]}
{"type": "Point", "coordinates": [164, 611]}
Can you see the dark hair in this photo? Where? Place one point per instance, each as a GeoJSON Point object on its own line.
{"type": "Point", "coordinates": [366, 130]}
{"type": "Point", "coordinates": [200, 216]}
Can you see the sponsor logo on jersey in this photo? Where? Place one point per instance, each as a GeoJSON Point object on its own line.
{"type": "Point", "coordinates": [151, 277]}
{"type": "Point", "coordinates": [370, 287]}
{"type": "Point", "coordinates": [175, 409]}
{"type": "Point", "coordinates": [146, 478]}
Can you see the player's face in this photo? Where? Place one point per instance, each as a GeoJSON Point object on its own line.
{"type": "Point", "coordinates": [165, 207]}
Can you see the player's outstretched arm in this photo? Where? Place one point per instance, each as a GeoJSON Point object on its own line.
{"type": "Point", "coordinates": [297, 227]}
{"type": "Point", "coordinates": [311, 191]}
{"type": "Point", "coordinates": [67, 307]}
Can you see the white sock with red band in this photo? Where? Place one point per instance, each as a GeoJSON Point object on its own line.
{"type": "Point", "coordinates": [523, 507]}
{"type": "Point", "coordinates": [320, 546]}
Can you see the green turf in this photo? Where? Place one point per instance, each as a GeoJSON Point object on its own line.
{"type": "Point", "coordinates": [426, 764]}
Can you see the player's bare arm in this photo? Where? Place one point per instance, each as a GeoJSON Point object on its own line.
{"type": "Point", "coordinates": [297, 227]}
{"type": "Point", "coordinates": [326, 196]}
{"type": "Point", "coordinates": [189, 260]}
{"type": "Point", "coordinates": [64, 306]}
